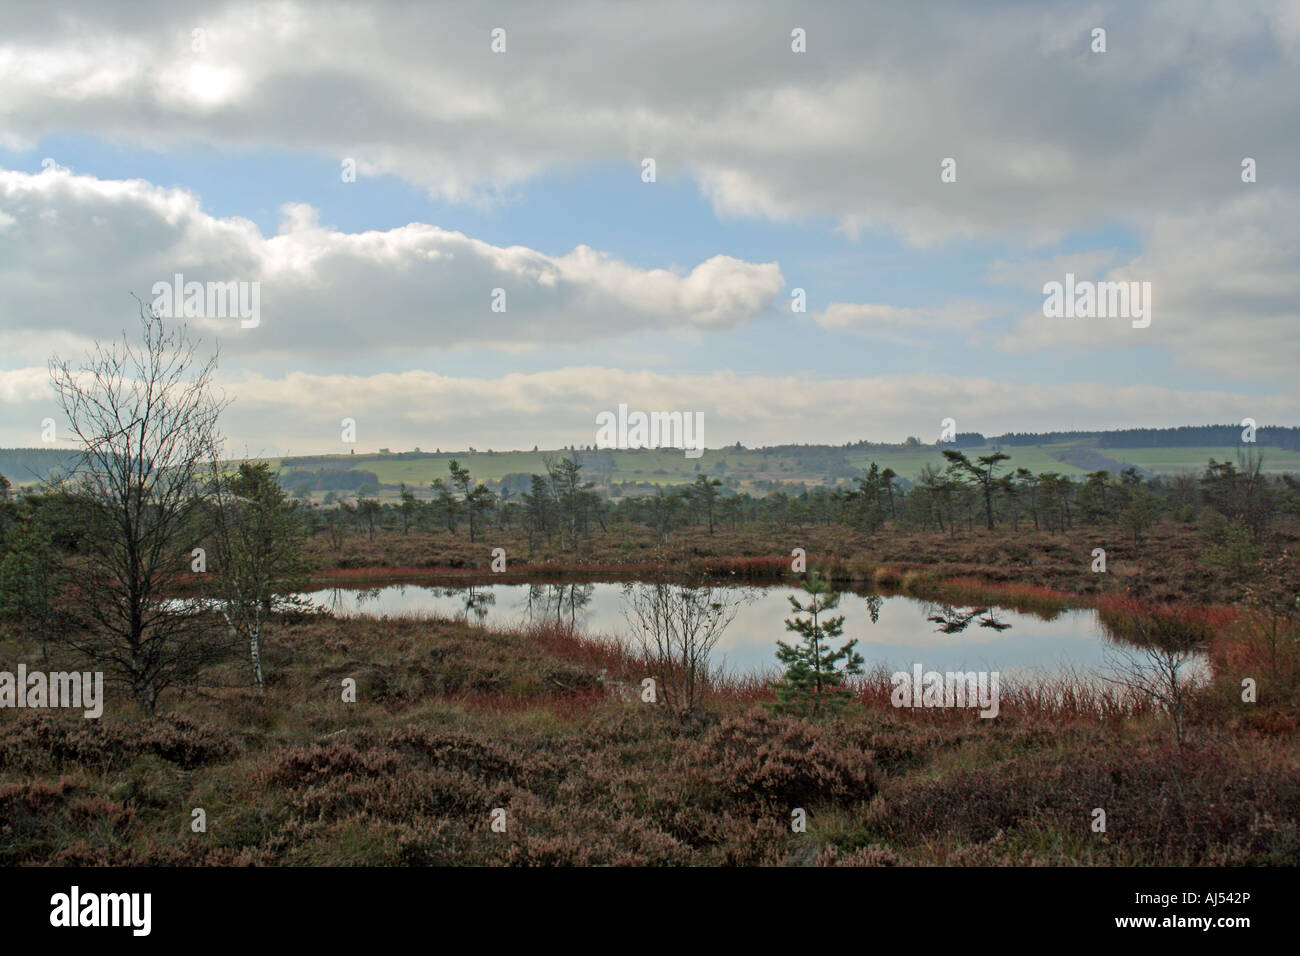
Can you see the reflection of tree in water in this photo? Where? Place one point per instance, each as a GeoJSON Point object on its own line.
{"type": "Point", "coordinates": [334, 603]}
{"type": "Point", "coordinates": [473, 600]}
{"type": "Point", "coordinates": [572, 599]}
{"type": "Point", "coordinates": [477, 601]}
{"type": "Point", "coordinates": [952, 620]}
{"type": "Point", "coordinates": [366, 594]}
{"type": "Point", "coordinates": [993, 622]}
{"type": "Point", "coordinates": [874, 602]}
{"type": "Point", "coordinates": [557, 601]}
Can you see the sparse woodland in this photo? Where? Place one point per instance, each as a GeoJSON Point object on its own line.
{"type": "Point", "coordinates": [175, 573]}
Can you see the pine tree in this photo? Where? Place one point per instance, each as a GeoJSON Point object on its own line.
{"type": "Point", "coordinates": [814, 673]}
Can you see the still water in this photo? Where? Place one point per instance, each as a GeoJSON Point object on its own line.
{"type": "Point", "coordinates": [895, 631]}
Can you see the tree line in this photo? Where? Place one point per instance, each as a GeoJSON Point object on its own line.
{"type": "Point", "coordinates": [560, 507]}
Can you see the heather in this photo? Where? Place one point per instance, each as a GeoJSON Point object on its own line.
{"type": "Point", "coordinates": [453, 721]}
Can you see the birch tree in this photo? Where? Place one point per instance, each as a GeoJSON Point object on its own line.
{"type": "Point", "coordinates": [258, 551]}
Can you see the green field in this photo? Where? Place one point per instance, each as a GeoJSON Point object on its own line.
{"type": "Point", "coordinates": [812, 465]}
{"type": "Point", "coordinates": [1173, 460]}
{"type": "Point", "coordinates": [420, 471]}
{"type": "Point", "coordinates": [907, 463]}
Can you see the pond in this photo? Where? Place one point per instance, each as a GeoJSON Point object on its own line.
{"type": "Point", "coordinates": [895, 631]}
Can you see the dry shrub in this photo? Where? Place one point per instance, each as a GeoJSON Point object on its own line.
{"type": "Point", "coordinates": [1163, 805]}
{"type": "Point", "coordinates": [192, 853]}
{"type": "Point", "coordinates": [32, 797]}
{"type": "Point", "coordinates": [25, 809]}
{"type": "Point", "coordinates": [483, 757]}
{"type": "Point", "coordinates": [310, 764]}
{"type": "Point", "coordinates": [763, 763]}
{"type": "Point", "coordinates": [873, 855]}
{"type": "Point", "coordinates": [900, 745]}
{"type": "Point", "coordinates": [399, 775]}
{"type": "Point", "coordinates": [36, 744]}
{"type": "Point", "coordinates": [750, 842]}
{"type": "Point", "coordinates": [551, 835]}
{"type": "Point", "coordinates": [999, 851]}
{"type": "Point", "coordinates": [91, 810]}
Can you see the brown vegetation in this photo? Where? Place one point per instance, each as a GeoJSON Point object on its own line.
{"type": "Point", "coordinates": [452, 721]}
{"type": "Point", "coordinates": [1167, 569]}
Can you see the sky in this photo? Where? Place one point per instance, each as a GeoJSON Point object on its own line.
{"type": "Point", "coordinates": [914, 173]}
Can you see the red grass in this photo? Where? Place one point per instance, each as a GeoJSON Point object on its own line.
{"type": "Point", "coordinates": [567, 706]}
{"type": "Point", "coordinates": [1055, 698]}
{"type": "Point", "coordinates": [1033, 597]}
{"type": "Point", "coordinates": [1121, 613]}
{"type": "Point", "coordinates": [770, 566]}
{"type": "Point", "coordinates": [591, 651]}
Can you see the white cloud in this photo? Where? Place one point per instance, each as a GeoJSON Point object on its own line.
{"type": "Point", "coordinates": [1047, 135]}
{"type": "Point", "coordinates": [72, 246]}
{"type": "Point", "coordinates": [1225, 282]}
{"type": "Point", "coordinates": [300, 412]}
{"type": "Point", "coordinates": [903, 324]}
{"type": "Point", "coordinates": [1225, 288]}
{"type": "Point", "coordinates": [1049, 139]}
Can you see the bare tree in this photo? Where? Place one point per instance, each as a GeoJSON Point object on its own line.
{"type": "Point", "coordinates": [675, 627]}
{"type": "Point", "coordinates": [1155, 658]}
{"type": "Point", "coordinates": [146, 416]}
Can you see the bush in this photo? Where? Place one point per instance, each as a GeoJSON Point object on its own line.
{"type": "Point", "coordinates": [778, 763]}
{"type": "Point", "coordinates": [1192, 806]}
{"type": "Point", "coordinates": [36, 744]}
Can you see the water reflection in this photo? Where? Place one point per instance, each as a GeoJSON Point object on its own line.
{"type": "Point", "coordinates": [953, 620]}
{"type": "Point", "coordinates": [991, 620]}
{"type": "Point", "coordinates": [476, 601]}
{"type": "Point", "coordinates": [563, 603]}
{"type": "Point", "coordinates": [893, 631]}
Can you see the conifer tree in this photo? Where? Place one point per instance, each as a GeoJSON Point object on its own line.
{"type": "Point", "coordinates": [814, 672]}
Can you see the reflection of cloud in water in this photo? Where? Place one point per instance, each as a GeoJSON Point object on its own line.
{"type": "Point", "coordinates": [893, 631]}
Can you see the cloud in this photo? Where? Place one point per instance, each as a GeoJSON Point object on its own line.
{"type": "Point", "coordinates": [1050, 140]}
{"type": "Point", "coordinates": [1225, 289]}
{"type": "Point", "coordinates": [1225, 282]}
{"type": "Point", "coordinates": [1047, 135]}
{"type": "Point", "coordinates": [300, 412]}
{"type": "Point", "coordinates": [915, 326]}
{"type": "Point", "coordinates": [330, 293]}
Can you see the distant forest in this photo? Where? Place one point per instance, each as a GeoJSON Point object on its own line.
{"type": "Point", "coordinates": [24, 465]}
{"type": "Point", "coordinates": [1184, 436]}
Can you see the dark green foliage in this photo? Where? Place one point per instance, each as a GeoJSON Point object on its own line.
{"type": "Point", "coordinates": [814, 675]}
